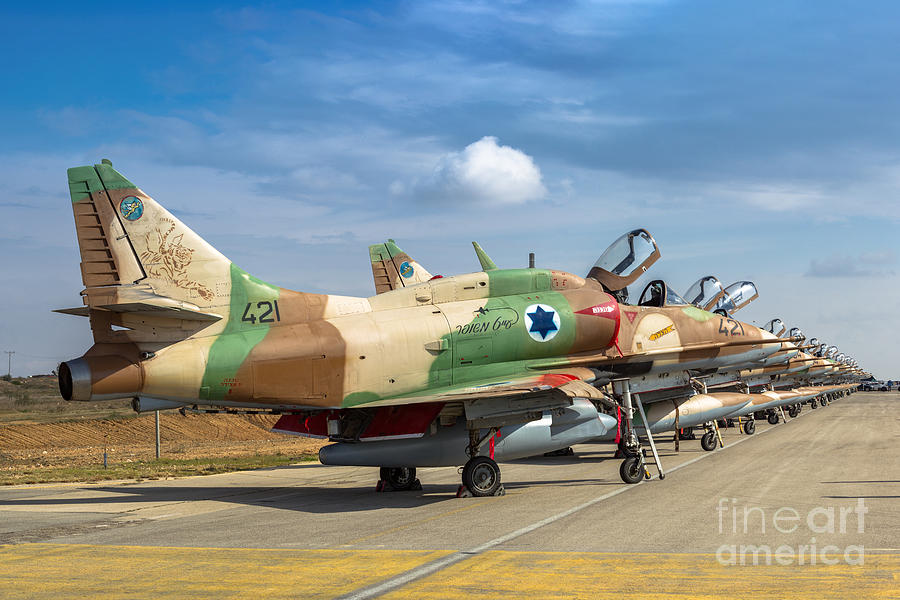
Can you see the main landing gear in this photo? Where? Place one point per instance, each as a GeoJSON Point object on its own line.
{"type": "Point", "coordinates": [772, 418]}
{"type": "Point", "coordinates": [749, 426]}
{"type": "Point", "coordinates": [709, 442]}
{"type": "Point", "coordinates": [480, 475]}
{"type": "Point", "coordinates": [397, 479]}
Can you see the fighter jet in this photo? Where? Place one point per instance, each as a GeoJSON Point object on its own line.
{"type": "Point", "coordinates": [448, 371]}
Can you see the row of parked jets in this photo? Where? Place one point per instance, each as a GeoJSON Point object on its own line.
{"type": "Point", "coordinates": [466, 370]}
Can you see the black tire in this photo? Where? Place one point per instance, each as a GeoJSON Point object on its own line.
{"type": "Point", "coordinates": [481, 476]}
{"type": "Point", "coordinates": [708, 441]}
{"type": "Point", "coordinates": [749, 427]}
{"type": "Point", "coordinates": [632, 469]}
{"type": "Point", "coordinates": [400, 478]}
{"type": "Point", "coordinates": [793, 412]}
{"type": "Point", "coordinates": [813, 404]}
{"type": "Point", "coordinates": [772, 418]}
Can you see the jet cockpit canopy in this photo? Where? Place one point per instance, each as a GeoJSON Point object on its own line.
{"type": "Point", "coordinates": [776, 327]}
{"type": "Point", "coordinates": [625, 260]}
{"type": "Point", "coordinates": [737, 295]}
{"type": "Point", "coordinates": [658, 294]}
{"type": "Point", "coordinates": [796, 332]}
{"type": "Point", "coordinates": [706, 293]}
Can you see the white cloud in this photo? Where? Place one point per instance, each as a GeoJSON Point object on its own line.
{"type": "Point", "coordinates": [484, 172]}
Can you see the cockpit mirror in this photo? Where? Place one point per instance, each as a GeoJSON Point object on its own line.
{"type": "Point", "coordinates": [706, 293]}
{"type": "Point", "coordinates": [658, 294]}
{"type": "Point", "coordinates": [625, 260]}
{"type": "Point", "coordinates": [776, 327]}
{"type": "Point", "coordinates": [795, 332]}
{"type": "Point", "coordinates": [738, 295]}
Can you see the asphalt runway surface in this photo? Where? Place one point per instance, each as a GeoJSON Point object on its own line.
{"type": "Point", "coordinates": [807, 508]}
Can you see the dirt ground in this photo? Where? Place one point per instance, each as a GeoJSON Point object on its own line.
{"type": "Point", "coordinates": [39, 430]}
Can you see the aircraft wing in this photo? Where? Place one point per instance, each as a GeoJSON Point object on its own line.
{"type": "Point", "coordinates": [556, 387]}
{"type": "Point", "coordinates": [596, 359]}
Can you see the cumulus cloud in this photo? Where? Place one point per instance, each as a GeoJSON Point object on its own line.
{"type": "Point", "coordinates": [484, 172]}
{"type": "Point", "coordinates": [871, 264]}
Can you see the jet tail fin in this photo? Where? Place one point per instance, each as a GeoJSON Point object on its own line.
{"type": "Point", "coordinates": [392, 268]}
{"type": "Point", "coordinates": [137, 258]}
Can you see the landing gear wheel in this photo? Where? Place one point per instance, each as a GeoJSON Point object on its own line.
{"type": "Point", "coordinates": [632, 469]}
{"type": "Point", "coordinates": [708, 441]}
{"type": "Point", "coordinates": [481, 476]}
{"type": "Point", "coordinates": [793, 412]}
{"type": "Point", "coordinates": [749, 427]}
{"type": "Point", "coordinates": [772, 418]}
{"type": "Point", "coordinates": [813, 403]}
{"type": "Point", "coordinates": [399, 478]}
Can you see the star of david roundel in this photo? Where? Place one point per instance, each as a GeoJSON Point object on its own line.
{"type": "Point", "coordinates": [542, 322]}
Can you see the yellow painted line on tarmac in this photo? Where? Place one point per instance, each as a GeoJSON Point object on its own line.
{"type": "Point", "coordinates": [85, 571]}
{"type": "Point", "coordinates": [413, 523]}
{"type": "Point", "coordinates": [599, 576]}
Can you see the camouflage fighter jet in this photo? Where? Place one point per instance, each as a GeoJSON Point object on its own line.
{"type": "Point", "coordinates": [447, 370]}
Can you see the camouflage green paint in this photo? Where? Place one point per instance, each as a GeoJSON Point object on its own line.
{"type": "Point", "coordinates": [83, 181]}
{"type": "Point", "coordinates": [358, 398]}
{"type": "Point", "coordinates": [112, 179]}
{"type": "Point", "coordinates": [509, 282]}
{"type": "Point", "coordinates": [509, 347]}
{"type": "Point", "coordinates": [230, 349]}
{"type": "Point", "coordinates": [697, 314]}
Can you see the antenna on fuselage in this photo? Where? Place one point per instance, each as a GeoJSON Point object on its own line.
{"type": "Point", "coordinates": [486, 263]}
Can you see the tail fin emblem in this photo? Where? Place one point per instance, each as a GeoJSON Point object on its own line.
{"type": "Point", "coordinates": [131, 208]}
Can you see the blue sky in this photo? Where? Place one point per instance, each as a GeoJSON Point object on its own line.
{"type": "Point", "coordinates": [754, 140]}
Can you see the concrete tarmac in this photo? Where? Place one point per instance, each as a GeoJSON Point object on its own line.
{"type": "Point", "coordinates": [807, 508]}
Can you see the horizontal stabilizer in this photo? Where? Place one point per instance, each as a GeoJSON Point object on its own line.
{"type": "Point", "coordinates": [137, 301]}
{"type": "Point", "coordinates": [78, 311]}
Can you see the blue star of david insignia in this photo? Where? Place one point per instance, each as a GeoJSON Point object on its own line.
{"type": "Point", "coordinates": [542, 322]}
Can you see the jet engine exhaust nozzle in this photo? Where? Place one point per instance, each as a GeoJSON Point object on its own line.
{"type": "Point", "coordinates": [99, 378]}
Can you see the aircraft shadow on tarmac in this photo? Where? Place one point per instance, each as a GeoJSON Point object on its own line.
{"type": "Point", "coordinates": [309, 499]}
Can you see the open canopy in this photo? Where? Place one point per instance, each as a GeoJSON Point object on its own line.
{"type": "Point", "coordinates": [737, 295]}
{"type": "Point", "coordinates": [625, 260]}
{"type": "Point", "coordinates": [775, 326]}
{"type": "Point", "coordinates": [706, 293]}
